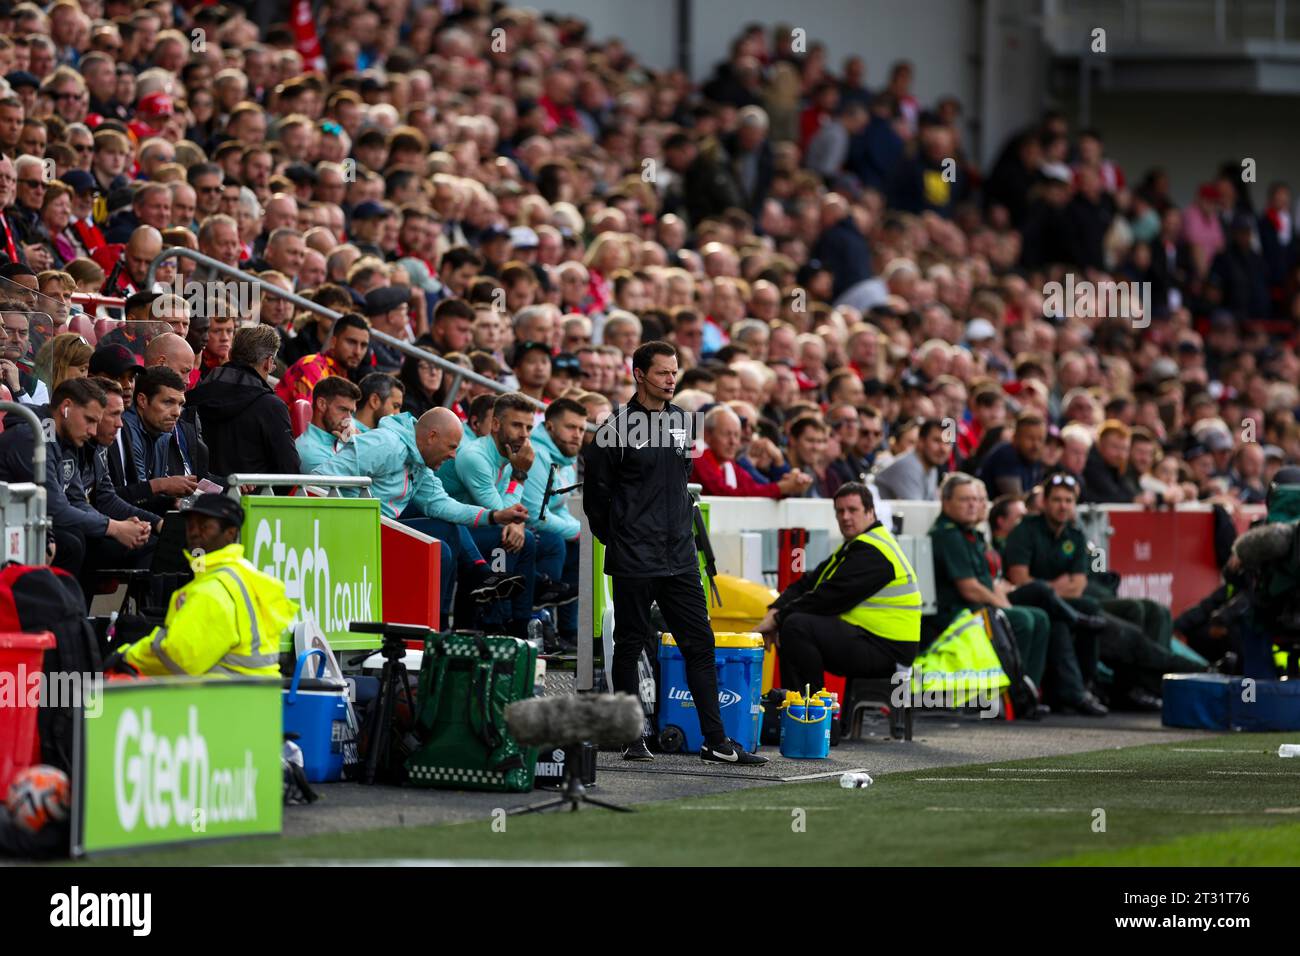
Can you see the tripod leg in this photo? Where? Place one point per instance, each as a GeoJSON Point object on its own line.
{"type": "Point", "coordinates": [379, 740]}
{"type": "Point", "coordinates": [538, 807]}
{"type": "Point", "coordinates": [606, 806]}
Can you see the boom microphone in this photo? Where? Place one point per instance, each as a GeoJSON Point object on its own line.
{"type": "Point", "coordinates": [605, 720]}
{"type": "Point", "coordinates": [1267, 543]}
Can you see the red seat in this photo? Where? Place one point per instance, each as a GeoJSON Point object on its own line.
{"type": "Point", "coordinates": [104, 326]}
{"type": "Point", "coordinates": [300, 416]}
{"type": "Point", "coordinates": [83, 326]}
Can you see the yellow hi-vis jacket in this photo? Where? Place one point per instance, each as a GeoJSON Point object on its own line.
{"type": "Point", "coordinates": [893, 612]}
{"type": "Point", "coordinates": [227, 622]}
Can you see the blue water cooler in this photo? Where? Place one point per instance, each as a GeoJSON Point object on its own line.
{"type": "Point", "coordinates": [740, 692]}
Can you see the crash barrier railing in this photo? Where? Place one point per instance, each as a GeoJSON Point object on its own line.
{"type": "Point", "coordinates": [457, 372]}
{"type": "Point", "coordinates": [96, 301]}
{"type": "Point", "coordinates": [22, 503]}
{"type": "Point", "coordinates": [332, 483]}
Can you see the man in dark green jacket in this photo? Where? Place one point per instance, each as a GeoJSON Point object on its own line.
{"type": "Point", "coordinates": [1051, 547]}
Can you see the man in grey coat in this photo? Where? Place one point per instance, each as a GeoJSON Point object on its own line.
{"type": "Point", "coordinates": [914, 476]}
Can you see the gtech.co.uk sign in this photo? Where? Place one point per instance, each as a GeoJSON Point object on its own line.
{"type": "Point", "coordinates": [325, 551]}
{"type": "Point", "coordinates": [174, 760]}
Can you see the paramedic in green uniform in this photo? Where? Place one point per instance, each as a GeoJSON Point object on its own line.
{"type": "Point", "coordinates": [963, 579]}
{"type": "Point", "coordinates": [1051, 547]}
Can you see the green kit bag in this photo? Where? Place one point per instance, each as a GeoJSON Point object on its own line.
{"type": "Point", "coordinates": [466, 682]}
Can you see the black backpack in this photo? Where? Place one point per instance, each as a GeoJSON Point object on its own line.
{"type": "Point", "coordinates": [35, 599]}
{"type": "Point", "coordinates": [1021, 693]}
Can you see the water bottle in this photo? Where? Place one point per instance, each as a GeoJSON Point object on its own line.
{"type": "Point", "coordinates": [858, 780]}
{"type": "Point", "coordinates": [535, 638]}
{"type": "Point", "coordinates": [1289, 750]}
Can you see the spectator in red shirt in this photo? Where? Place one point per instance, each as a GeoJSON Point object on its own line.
{"type": "Point", "coordinates": [716, 469]}
{"type": "Point", "coordinates": [988, 407]}
{"type": "Point", "coordinates": [557, 102]}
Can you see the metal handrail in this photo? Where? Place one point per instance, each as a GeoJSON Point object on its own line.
{"type": "Point", "coordinates": [457, 372]}
{"type": "Point", "coordinates": [237, 481]}
{"type": "Point", "coordinates": [35, 529]}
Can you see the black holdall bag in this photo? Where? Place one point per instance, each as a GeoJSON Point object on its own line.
{"type": "Point", "coordinates": [1021, 692]}
{"type": "Point", "coordinates": [35, 599]}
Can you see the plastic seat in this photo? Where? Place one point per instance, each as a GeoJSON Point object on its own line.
{"type": "Point", "coordinates": [871, 693]}
{"type": "Point", "coordinates": [85, 327]}
{"type": "Point", "coordinates": [104, 326]}
{"type": "Point", "coordinates": [299, 416]}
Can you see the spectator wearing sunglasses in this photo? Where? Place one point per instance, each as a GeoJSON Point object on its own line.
{"type": "Point", "coordinates": [26, 210]}
{"type": "Point", "coordinates": [847, 424]}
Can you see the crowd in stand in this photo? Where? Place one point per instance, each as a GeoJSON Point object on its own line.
{"type": "Point", "coordinates": [851, 295]}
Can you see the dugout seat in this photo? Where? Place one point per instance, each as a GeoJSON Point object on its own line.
{"type": "Point", "coordinates": [299, 416]}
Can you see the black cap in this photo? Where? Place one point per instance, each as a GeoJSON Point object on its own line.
{"type": "Point", "coordinates": [114, 360]}
{"type": "Point", "coordinates": [523, 348]}
{"type": "Point", "coordinates": [20, 78]}
{"type": "Point", "coordinates": [1288, 475]}
{"type": "Point", "coordinates": [567, 363]}
{"type": "Point", "coordinates": [386, 299]}
{"type": "Point", "coordinates": [138, 299]}
{"type": "Point", "coordinates": [80, 181]}
{"type": "Point", "coordinates": [301, 174]}
{"type": "Point", "coordinates": [369, 210]}
{"type": "Point", "coordinates": [220, 507]}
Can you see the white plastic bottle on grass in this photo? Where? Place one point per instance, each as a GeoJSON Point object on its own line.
{"type": "Point", "coordinates": [1289, 750]}
{"type": "Point", "coordinates": [855, 781]}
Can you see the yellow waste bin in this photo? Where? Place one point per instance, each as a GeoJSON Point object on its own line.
{"type": "Point", "coordinates": [744, 605]}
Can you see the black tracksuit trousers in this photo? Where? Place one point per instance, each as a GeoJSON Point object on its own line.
{"type": "Point", "coordinates": [681, 601]}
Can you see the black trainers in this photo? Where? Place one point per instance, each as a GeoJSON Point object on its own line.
{"type": "Point", "coordinates": [730, 752]}
{"type": "Point", "coordinates": [554, 594]}
{"type": "Point", "coordinates": [638, 751]}
{"type": "Point", "coordinates": [496, 587]}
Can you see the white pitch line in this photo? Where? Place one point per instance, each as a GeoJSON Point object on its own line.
{"type": "Point", "coordinates": [982, 779]}
{"type": "Point", "coordinates": [1212, 750]}
{"type": "Point", "coordinates": [1027, 780]}
{"type": "Point", "coordinates": [1005, 810]}
{"type": "Point", "coordinates": [416, 862]}
{"type": "Point", "coordinates": [1256, 773]}
{"type": "Point", "coordinates": [744, 809]}
{"type": "Point", "coordinates": [1288, 810]}
{"type": "Point", "coordinates": [1051, 770]}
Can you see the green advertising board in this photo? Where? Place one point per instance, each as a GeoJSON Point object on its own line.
{"type": "Point", "coordinates": [178, 760]}
{"type": "Point", "coordinates": [326, 553]}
